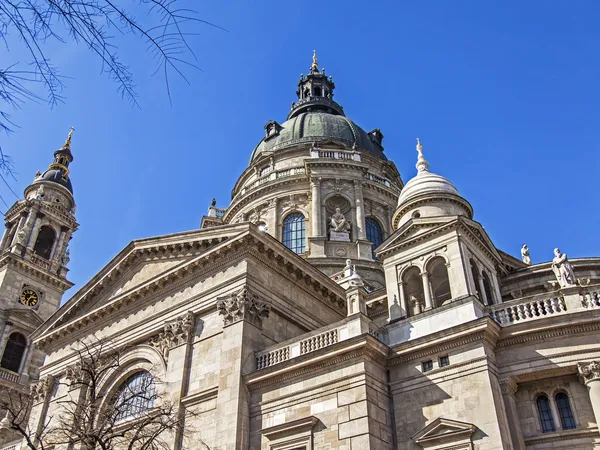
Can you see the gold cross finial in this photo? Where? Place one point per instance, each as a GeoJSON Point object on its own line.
{"type": "Point", "coordinates": [70, 136]}
{"type": "Point", "coordinates": [314, 64]}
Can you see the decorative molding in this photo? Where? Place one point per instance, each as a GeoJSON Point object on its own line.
{"type": "Point", "coordinates": [174, 333]}
{"type": "Point", "coordinates": [589, 371]}
{"type": "Point", "coordinates": [243, 305]}
{"type": "Point", "coordinates": [42, 389]}
{"type": "Point", "coordinates": [508, 386]}
{"type": "Point", "coordinates": [548, 334]}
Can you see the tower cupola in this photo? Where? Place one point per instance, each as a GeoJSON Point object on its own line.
{"type": "Point", "coordinates": [58, 171]}
{"type": "Point", "coordinates": [315, 92]}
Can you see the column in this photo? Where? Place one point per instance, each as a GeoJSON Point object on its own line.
{"type": "Point", "coordinates": [34, 231]}
{"type": "Point", "coordinates": [57, 245]}
{"type": "Point", "coordinates": [589, 374]}
{"type": "Point", "coordinates": [5, 235]}
{"type": "Point", "coordinates": [426, 291]}
{"type": "Point", "coordinates": [21, 225]}
{"type": "Point", "coordinates": [509, 389]}
{"type": "Point", "coordinates": [484, 298]}
{"type": "Point", "coordinates": [360, 214]}
{"type": "Point", "coordinates": [315, 186]}
{"type": "Point", "coordinates": [403, 303]}
{"type": "Point", "coordinates": [25, 363]}
{"type": "Point", "coordinates": [5, 333]}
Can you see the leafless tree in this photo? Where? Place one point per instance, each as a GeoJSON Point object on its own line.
{"type": "Point", "coordinates": [136, 417]}
{"type": "Point", "coordinates": [28, 26]}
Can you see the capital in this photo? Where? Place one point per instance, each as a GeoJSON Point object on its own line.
{"type": "Point", "coordinates": [243, 305]}
{"type": "Point", "coordinates": [589, 371]}
{"type": "Point", "coordinates": [357, 185]}
{"type": "Point", "coordinates": [508, 386]}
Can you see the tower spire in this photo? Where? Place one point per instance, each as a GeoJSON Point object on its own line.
{"type": "Point", "coordinates": [315, 66]}
{"type": "Point", "coordinates": [422, 164]}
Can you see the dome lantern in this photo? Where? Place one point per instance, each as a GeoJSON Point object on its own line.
{"type": "Point", "coordinates": [315, 92]}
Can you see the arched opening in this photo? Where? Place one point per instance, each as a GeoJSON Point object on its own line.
{"type": "Point", "coordinates": [13, 352]}
{"type": "Point", "coordinates": [318, 91]}
{"type": "Point", "coordinates": [306, 93]}
{"type": "Point", "coordinates": [44, 242]}
{"type": "Point", "coordinates": [564, 411]}
{"type": "Point", "coordinates": [135, 396]}
{"type": "Point", "coordinates": [413, 291]}
{"type": "Point", "coordinates": [475, 272]}
{"type": "Point", "coordinates": [487, 287]}
{"type": "Point", "coordinates": [545, 413]}
{"type": "Point", "coordinates": [439, 281]}
{"type": "Point", "coordinates": [374, 233]}
{"type": "Point", "coordinates": [294, 233]}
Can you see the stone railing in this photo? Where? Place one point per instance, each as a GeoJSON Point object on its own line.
{"type": "Point", "coordinates": [9, 375]}
{"type": "Point", "coordinates": [39, 261]}
{"type": "Point", "coordinates": [335, 154]}
{"type": "Point", "coordinates": [272, 176]}
{"type": "Point", "coordinates": [591, 298]}
{"type": "Point", "coordinates": [522, 310]}
{"type": "Point", "coordinates": [382, 181]}
{"type": "Point", "coordinates": [316, 341]}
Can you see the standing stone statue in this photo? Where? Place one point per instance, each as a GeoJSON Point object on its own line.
{"type": "Point", "coordinates": [66, 258]}
{"type": "Point", "coordinates": [525, 255]}
{"type": "Point", "coordinates": [21, 237]}
{"type": "Point", "coordinates": [40, 193]}
{"type": "Point", "coordinates": [563, 270]}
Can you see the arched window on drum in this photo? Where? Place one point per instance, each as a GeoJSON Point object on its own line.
{"type": "Point", "coordinates": [294, 233]}
{"type": "Point", "coordinates": [374, 233]}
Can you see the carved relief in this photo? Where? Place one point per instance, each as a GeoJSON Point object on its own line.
{"type": "Point", "coordinates": [338, 186]}
{"type": "Point", "coordinates": [173, 334]}
{"type": "Point", "coordinates": [41, 389]}
{"type": "Point", "coordinates": [243, 305]}
{"type": "Point", "coordinates": [589, 371]}
{"type": "Point", "coordinates": [293, 201]}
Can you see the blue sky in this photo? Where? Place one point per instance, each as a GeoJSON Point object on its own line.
{"type": "Point", "coordinates": [504, 96]}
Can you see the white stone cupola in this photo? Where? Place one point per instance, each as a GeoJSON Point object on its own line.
{"type": "Point", "coordinates": [437, 255]}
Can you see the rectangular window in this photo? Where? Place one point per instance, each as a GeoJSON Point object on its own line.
{"type": "Point", "coordinates": [444, 361]}
{"type": "Point", "coordinates": [427, 366]}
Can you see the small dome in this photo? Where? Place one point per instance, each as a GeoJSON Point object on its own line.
{"type": "Point", "coordinates": [316, 126]}
{"type": "Point", "coordinates": [56, 176]}
{"type": "Point", "coordinates": [426, 183]}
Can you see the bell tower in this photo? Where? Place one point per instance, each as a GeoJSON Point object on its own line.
{"type": "Point", "coordinates": [34, 256]}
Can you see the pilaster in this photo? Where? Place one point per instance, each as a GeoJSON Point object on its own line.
{"type": "Point", "coordinates": [509, 389]}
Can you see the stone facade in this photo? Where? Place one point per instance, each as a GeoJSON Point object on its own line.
{"type": "Point", "coordinates": [281, 335]}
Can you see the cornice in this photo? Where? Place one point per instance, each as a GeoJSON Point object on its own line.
{"type": "Point", "coordinates": [238, 204]}
{"type": "Point", "coordinates": [427, 235]}
{"type": "Point", "coordinates": [212, 261]}
{"type": "Point", "coordinates": [11, 260]}
{"type": "Point", "coordinates": [483, 330]}
{"type": "Point", "coordinates": [562, 330]}
{"type": "Point", "coordinates": [428, 198]}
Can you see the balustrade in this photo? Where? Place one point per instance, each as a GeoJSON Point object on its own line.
{"type": "Point", "coordinates": [522, 310]}
{"type": "Point", "coordinates": [9, 375]}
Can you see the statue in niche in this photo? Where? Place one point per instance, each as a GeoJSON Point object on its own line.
{"type": "Point", "coordinates": [525, 255]}
{"type": "Point", "coordinates": [339, 223]}
{"type": "Point", "coordinates": [563, 270]}
{"type": "Point", "coordinates": [339, 227]}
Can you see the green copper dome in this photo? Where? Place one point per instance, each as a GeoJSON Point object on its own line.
{"type": "Point", "coordinates": [316, 126]}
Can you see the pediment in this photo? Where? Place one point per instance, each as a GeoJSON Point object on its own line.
{"type": "Point", "coordinates": [480, 234]}
{"type": "Point", "coordinates": [412, 229]}
{"type": "Point", "coordinates": [25, 318]}
{"type": "Point", "coordinates": [443, 432]}
{"type": "Point", "coordinates": [141, 263]}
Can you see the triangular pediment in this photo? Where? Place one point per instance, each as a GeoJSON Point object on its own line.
{"type": "Point", "coordinates": [24, 318]}
{"type": "Point", "coordinates": [412, 230]}
{"type": "Point", "coordinates": [141, 263]}
{"type": "Point", "coordinates": [444, 431]}
{"type": "Point", "coordinates": [478, 232]}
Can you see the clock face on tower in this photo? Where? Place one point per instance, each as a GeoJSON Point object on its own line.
{"type": "Point", "coordinates": [29, 297]}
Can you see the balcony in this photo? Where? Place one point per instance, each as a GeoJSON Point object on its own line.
{"type": "Point", "coordinates": [335, 154]}
{"type": "Point", "coordinates": [9, 375]}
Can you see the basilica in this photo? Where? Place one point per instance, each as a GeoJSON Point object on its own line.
{"type": "Point", "coordinates": [330, 305]}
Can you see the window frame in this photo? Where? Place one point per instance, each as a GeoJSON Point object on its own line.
{"type": "Point", "coordinates": [6, 347]}
{"type": "Point", "coordinates": [289, 238]}
{"type": "Point", "coordinates": [547, 424]}
{"type": "Point", "coordinates": [560, 411]}
{"type": "Point", "coordinates": [140, 405]}
{"type": "Point", "coordinates": [371, 222]}
{"type": "Point", "coordinates": [444, 361]}
{"type": "Point", "coordinates": [427, 366]}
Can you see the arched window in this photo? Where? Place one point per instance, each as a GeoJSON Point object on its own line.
{"type": "Point", "coordinates": [135, 396]}
{"type": "Point", "coordinates": [294, 233]}
{"type": "Point", "coordinates": [374, 233]}
{"type": "Point", "coordinates": [413, 290]}
{"type": "Point", "coordinates": [546, 420]}
{"type": "Point", "coordinates": [318, 91]}
{"type": "Point", "coordinates": [475, 273]}
{"type": "Point", "coordinates": [44, 242]}
{"type": "Point", "coordinates": [564, 411]}
{"type": "Point", "coordinates": [13, 352]}
{"type": "Point", "coordinates": [439, 281]}
{"type": "Point", "coordinates": [487, 287]}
